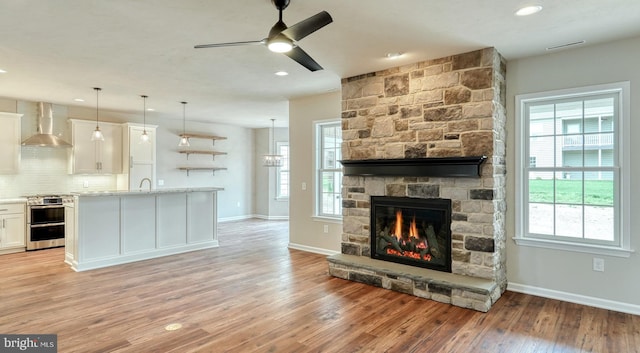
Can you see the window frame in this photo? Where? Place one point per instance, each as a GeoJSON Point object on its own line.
{"type": "Point", "coordinates": [318, 170]}
{"type": "Point", "coordinates": [285, 168]}
{"type": "Point", "coordinates": [621, 246]}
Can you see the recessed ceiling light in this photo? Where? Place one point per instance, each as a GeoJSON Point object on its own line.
{"type": "Point", "coordinates": [2, 71]}
{"type": "Point", "coordinates": [528, 10]}
{"type": "Point", "coordinates": [151, 110]}
{"type": "Point", "coordinates": [393, 55]}
{"type": "Point", "coordinates": [282, 73]}
{"type": "Point", "coordinates": [78, 99]}
{"type": "Point", "coordinates": [173, 327]}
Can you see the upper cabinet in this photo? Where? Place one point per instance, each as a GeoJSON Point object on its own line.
{"type": "Point", "coordinates": [9, 143]}
{"type": "Point", "coordinates": [95, 157]}
{"type": "Point", "coordinates": [139, 158]}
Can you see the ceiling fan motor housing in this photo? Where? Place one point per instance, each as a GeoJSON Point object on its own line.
{"type": "Point", "coordinates": [276, 29]}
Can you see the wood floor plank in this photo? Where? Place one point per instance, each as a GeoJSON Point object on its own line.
{"type": "Point", "coordinates": [253, 294]}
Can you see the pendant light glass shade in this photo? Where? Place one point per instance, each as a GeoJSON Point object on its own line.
{"type": "Point", "coordinates": [97, 134]}
{"type": "Point", "coordinates": [184, 141]}
{"type": "Point", "coordinates": [144, 138]}
{"type": "Point", "coordinates": [272, 159]}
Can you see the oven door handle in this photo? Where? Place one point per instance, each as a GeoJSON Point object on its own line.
{"type": "Point", "coordinates": [47, 206]}
{"type": "Point", "coordinates": [47, 225]}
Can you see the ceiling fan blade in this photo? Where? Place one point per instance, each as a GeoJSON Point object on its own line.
{"type": "Point", "coordinates": [302, 58]}
{"type": "Point", "coordinates": [308, 26]}
{"type": "Point", "coordinates": [230, 44]}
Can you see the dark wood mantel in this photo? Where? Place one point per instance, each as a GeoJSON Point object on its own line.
{"type": "Point", "coordinates": [429, 167]}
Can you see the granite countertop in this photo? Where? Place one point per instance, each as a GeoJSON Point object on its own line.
{"type": "Point", "coordinates": [144, 191]}
{"type": "Point", "coordinates": [13, 200]}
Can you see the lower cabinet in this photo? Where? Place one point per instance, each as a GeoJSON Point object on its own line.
{"type": "Point", "coordinates": [12, 228]}
{"type": "Point", "coordinates": [69, 233]}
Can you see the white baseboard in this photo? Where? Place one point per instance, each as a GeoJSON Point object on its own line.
{"type": "Point", "coordinates": [575, 298]}
{"type": "Point", "coordinates": [312, 249]}
{"type": "Point", "coordinates": [236, 218]}
{"type": "Point", "coordinates": [271, 218]}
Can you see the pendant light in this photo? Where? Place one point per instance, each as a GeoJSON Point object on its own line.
{"type": "Point", "coordinates": [272, 159]}
{"type": "Point", "coordinates": [184, 141]}
{"type": "Point", "coordinates": [97, 134]}
{"type": "Point", "coordinates": [144, 138]}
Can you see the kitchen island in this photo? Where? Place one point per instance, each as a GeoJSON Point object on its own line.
{"type": "Point", "coordinates": [110, 228]}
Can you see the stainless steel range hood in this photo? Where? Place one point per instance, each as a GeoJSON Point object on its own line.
{"type": "Point", "coordinates": [45, 136]}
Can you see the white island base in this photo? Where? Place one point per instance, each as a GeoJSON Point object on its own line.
{"type": "Point", "coordinates": [111, 228]}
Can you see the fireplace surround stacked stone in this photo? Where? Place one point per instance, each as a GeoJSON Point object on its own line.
{"type": "Point", "coordinates": [447, 107]}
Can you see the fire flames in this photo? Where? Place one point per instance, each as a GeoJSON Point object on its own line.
{"type": "Point", "coordinates": [411, 240]}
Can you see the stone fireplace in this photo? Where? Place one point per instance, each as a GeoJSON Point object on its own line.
{"type": "Point", "coordinates": [433, 130]}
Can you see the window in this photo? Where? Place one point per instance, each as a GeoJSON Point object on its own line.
{"type": "Point", "coordinates": [571, 176]}
{"type": "Point", "coordinates": [329, 169]}
{"type": "Point", "coordinates": [282, 148]}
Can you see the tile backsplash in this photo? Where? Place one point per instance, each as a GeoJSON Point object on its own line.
{"type": "Point", "coordinates": [44, 170]}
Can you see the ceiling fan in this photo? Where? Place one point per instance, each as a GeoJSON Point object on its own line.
{"type": "Point", "coordinates": [282, 39]}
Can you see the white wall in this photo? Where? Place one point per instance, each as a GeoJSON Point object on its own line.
{"type": "Point", "coordinates": [563, 274]}
{"type": "Point", "coordinates": [305, 232]}
{"type": "Point", "coordinates": [44, 170]}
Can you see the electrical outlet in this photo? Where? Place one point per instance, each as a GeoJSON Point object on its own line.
{"type": "Point", "coordinates": [326, 228]}
{"type": "Point", "coordinates": [85, 184]}
{"type": "Point", "coordinates": [160, 182]}
{"type": "Point", "coordinates": [598, 264]}
{"type": "Point", "coordinates": [304, 186]}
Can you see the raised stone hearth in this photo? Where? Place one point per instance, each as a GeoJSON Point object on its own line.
{"type": "Point", "coordinates": [463, 291]}
{"type": "Point", "coordinates": [444, 109]}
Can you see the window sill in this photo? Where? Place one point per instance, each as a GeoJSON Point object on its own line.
{"type": "Point", "coordinates": [336, 220]}
{"type": "Point", "coordinates": [583, 248]}
{"type": "Point", "coordinates": [282, 199]}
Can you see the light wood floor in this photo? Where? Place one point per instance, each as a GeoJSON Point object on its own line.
{"type": "Point", "coordinates": [252, 294]}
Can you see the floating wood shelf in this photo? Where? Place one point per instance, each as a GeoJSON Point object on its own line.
{"type": "Point", "coordinates": [213, 138]}
{"type": "Point", "coordinates": [430, 167]}
{"type": "Point", "coordinates": [212, 169]}
{"type": "Point", "coordinates": [212, 153]}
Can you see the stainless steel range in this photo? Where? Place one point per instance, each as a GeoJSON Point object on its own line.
{"type": "Point", "coordinates": [45, 221]}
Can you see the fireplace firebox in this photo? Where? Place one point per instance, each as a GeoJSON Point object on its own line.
{"type": "Point", "coordinates": [412, 231]}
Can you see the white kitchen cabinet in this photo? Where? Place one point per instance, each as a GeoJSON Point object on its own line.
{"type": "Point", "coordinates": [139, 158]}
{"type": "Point", "coordinates": [12, 227]}
{"type": "Point", "coordinates": [95, 157]}
{"type": "Point", "coordinates": [9, 143]}
{"type": "Point", "coordinates": [69, 232]}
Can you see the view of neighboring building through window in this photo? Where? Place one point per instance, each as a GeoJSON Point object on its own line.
{"type": "Point", "coordinates": [282, 148]}
{"type": "Point", "coordinates": [570, 167]}
{"type": "Point", "coordinates": [329, 169]}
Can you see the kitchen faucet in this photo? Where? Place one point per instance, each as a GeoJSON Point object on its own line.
{"type": "Point", "coordinates": [142, 182]}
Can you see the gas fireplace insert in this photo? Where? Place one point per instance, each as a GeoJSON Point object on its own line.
{"type": "Point", "coordinates": [411, 231]}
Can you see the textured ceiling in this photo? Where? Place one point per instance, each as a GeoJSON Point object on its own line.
{"type": "Point", "coordinates": [56, 51]}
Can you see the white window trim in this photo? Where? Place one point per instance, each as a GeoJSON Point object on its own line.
{"type": "Point", "coordinates": [277, 151]}
{"type": "Point", "coordinates": [316, 184]}
{"type": "Point", "coordinates": [624, 139]}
